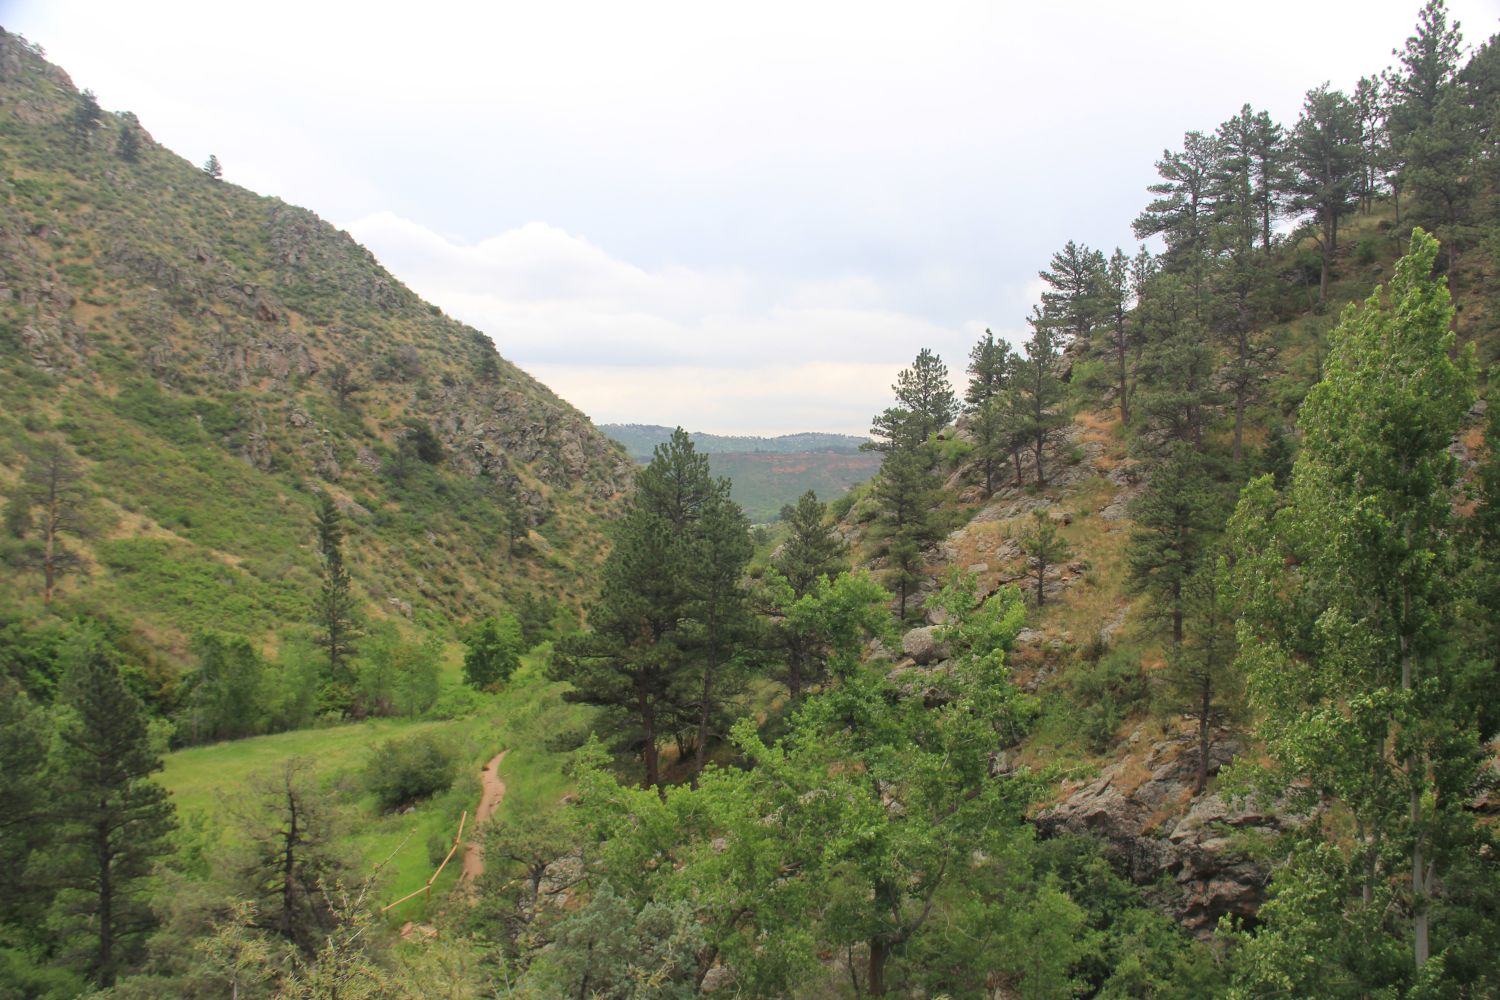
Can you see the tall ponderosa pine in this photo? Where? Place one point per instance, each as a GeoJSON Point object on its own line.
{"type": "Point", "coordinates": [85, 120]}
{"type": "Point", "coordinates": [111, 820]}
{"type": "Point", "coordinates": [923, 391]}
{"type": "Point", "coordinates": [1038, 394]}
{"type": "Point", "coordinates": [1074, 300]}
{"type": "Point", "coordinates": [335, 612]}
{"type": "Point", "coordinates": [655, 642]}
{"type": "Point", "coordinates": [1325, 152]}
{"type": "Point", "coordinates": [1181, 212]}
{"type": "Point", "coordinates": [991, 369]}
{"type": "Point", "coordinates": [1348, 637]}
{"type": "Point", "coordinates": [1173, 519]}
{"type": "Point", "coordinates": [907, 490]}
{"type": "Point", "coordinates": [1201, 679]}
{"type": "Point", "coordinates": [49, 504]}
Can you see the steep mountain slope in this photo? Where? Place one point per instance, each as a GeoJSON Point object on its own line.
{"type": "Point", "coordinates": [216, 359]}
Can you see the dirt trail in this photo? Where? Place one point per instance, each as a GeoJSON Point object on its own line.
{"type": "Point", "coordinates": [489, 800]}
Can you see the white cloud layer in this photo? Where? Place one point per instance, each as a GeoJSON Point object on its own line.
{"type": "Point", "coordinates": [726, 351]}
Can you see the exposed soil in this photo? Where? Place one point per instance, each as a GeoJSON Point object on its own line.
{"type": "Point", "coordinates": [489, 801]}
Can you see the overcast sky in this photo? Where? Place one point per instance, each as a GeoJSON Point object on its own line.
{"type": "Point", "coordinates": [735, 217]}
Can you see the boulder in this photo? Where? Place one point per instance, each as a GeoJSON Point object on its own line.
{"type": "Point", "coordinates": [922, 645]}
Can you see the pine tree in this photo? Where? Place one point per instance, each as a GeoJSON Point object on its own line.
{"type": "Point", "coordinates": [906, 489]}
{"type": "Point", "coordinates": [812, 548]}
{"type": "Point", "coordinates": [1201, 679]}
{"type": "Point", "coordinates": [112, 820]}
{"type": "Point", "coordinates": [923, 391]}
{"type": "Point", "coordinates": [1180, 213]}
{"type": "Point", "coordinates": [719, 620]}
{"type": "Point", "coordinates": [992, 367]}
{"type": "Point", "coordinates": [1116, 293]}
{"type": "Point", "coordinates": [1044, 547]}
{"type": "Point", "coordinates": [85, 120]}
{"type": "Point", "coordinates": [335, 611]}
{"type": "Point", "coordinates": [49, 501]}
{"type": "Point", "coordinates": [287, 863]}
{"type": "Point", "coordinates": [638, 655]}
{"type": "Point", "coordinates": [213, 168]}
{"type": "Point", "coordinates": [128, 144]}
{"type": "Point", "coordinates": [1173, 519]}
{"type": "Point", "coordinates": [1326, 154]}
{"type": "Point", "coordinates": [1038, 394]}
{"type": "Point", "coordinates": [1074, 276]}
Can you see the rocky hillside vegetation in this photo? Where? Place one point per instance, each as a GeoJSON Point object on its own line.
{"type": "Point", "coordinates": [207, 362]}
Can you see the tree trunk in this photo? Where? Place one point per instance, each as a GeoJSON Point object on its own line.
{"type": "Point", "coordinates": [649, 752]}
{"type": "Point", "coordinates": [1176, 614]}
{"type": "Point", "coordinates": [1016, 454]}
{"type": "Point", "coordinates": [1124, 378]}
{"type": "Point", "coordinates": [1205, 707]}
{"type": "Point", "coordinates": [700, 751]}
{"type": "Point", "coordinates": [879, 955]}
{"type": "Point", "coordinates": [105, 975]}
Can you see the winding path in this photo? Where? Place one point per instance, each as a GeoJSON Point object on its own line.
{"type": "Point", "coordinates": [489, 801]}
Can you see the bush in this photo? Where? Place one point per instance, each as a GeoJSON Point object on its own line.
{"type": "Point", "coordinates": [1106, 693]}
{"type": "Point", "coordinates": [494, 652]}
{"type": "Point", "coordinates": [402, 771]}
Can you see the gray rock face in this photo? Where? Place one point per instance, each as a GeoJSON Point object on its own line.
{"type": "Point", "coordinates": [1145, 813]}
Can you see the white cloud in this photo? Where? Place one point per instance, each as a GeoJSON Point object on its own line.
{"type": "Point", "coordinates": [674, 345]}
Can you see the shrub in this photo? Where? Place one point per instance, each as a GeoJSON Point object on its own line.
{"type": "Point", "coordinates": [404, 770]}
{"type": "Point", "coordinates": [494, 652]}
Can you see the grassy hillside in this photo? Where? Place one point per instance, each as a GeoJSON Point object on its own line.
{"type": "Point", "coordinates": [215, 360]}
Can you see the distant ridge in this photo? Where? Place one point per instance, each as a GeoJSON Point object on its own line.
{"type": "Point", "coordinates": [640, 439]}
{"type": "Point", "coordinates": [767, 472]}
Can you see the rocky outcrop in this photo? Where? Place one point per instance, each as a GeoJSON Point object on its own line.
{"type": "Point", "coordinates": [1142, 807]}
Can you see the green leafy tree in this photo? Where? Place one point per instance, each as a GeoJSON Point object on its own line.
{"type": "Point", "coordinates": [213, 168]}
{"type": "Point", "coordinates": [824, 630]}
{"type": "Point", "coordinates": [405, 770]}
{"type": "Point", "coordinates": [492, 652]}
{"type": "Point", "coordinates": [112, 822]}
{"type": "Point", "coordinates": [1044, 547]}
{"type": "Point", "coordinates": [224, 692]}
{"type": "Point", "coordinates": [1351, 658]}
